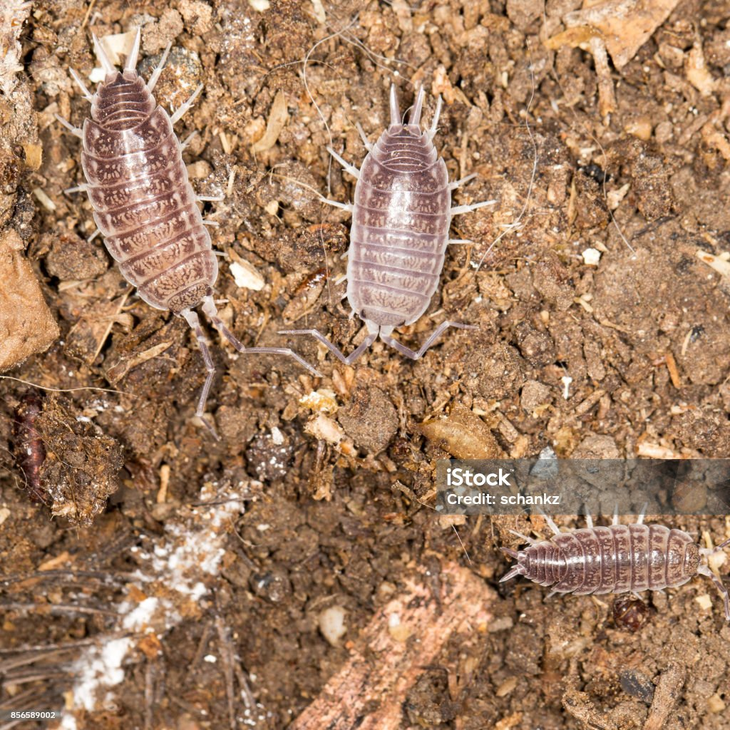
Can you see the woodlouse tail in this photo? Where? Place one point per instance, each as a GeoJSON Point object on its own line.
{"type": "Point", "coordinates": [107, 65]}
{"type": "Point", "coordinates": [415, 116]}
{"type": "Point", "coordinates": [395, 118]}
{"type": "Point", "coordinates": [517, 570]}
{"type": "Point", "coordinates": [131, 62]}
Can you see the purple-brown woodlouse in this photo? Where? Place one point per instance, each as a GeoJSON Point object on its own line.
{"type": "Point", "coordinates": [400, 230]}
{"type": "Point", "coordinates": [28, 448]}
{"type": "Point", "coordinates": [614, 559]}
{"type": "Point", "coordinates": [144, 204]}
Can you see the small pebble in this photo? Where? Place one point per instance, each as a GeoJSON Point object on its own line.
{"type": "Point", "coordinates": [332, 624]}
{"type": "Point", "coordinates": [591, 256]}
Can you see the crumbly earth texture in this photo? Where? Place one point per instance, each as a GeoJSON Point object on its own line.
{"type": "Point", "coordinates": [220, 574]}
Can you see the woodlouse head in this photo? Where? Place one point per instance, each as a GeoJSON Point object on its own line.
{"type": "Point", "coordinates": [691, 560]}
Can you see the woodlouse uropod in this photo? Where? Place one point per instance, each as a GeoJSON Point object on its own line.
{"type": "Point", "coordinates": [144, 204]}
{"type": "Point", "coordinates": [401, 218]}
{"type": "Point", "coordinates": [614, 559]}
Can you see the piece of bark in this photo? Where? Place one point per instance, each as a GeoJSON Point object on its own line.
{"type": "Point", "coordinates": [400, 642]}
{"type": "Point", "coordinates": [26, 323]}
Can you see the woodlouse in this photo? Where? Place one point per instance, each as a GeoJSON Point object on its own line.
{"type": "Point", "coordinates": [614, 559]}
{"type": "Point", "coordinates": [28, 448]}
{"type": "Point", "coordinates": [144, 204]}
{"type": "Point", "coordinates": [400, 230]}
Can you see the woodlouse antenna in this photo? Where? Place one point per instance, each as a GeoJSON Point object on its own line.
{"type": "Point", "coordinates": [107, 65]}
{"type": "Point", "coordinates": [131, 62]}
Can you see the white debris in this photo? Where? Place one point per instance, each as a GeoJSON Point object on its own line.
{"type": "Point", "coordinates": [325, 429]}
{"type": "Point", "coordinates": [277, 436]}
{"type": "Point", "coordinates": [246, 276]}
{"type": "Point", "coordinates": [259, 5]}
{"type": "Point", "coordinates": [567, 380]}
{"type": "Point", "coordinates": [140, 617]}
{"type": "Point", "coordinates": [188, 550]}
{"type": "Point", "coordinates": [99, 666]}
{"type": "Point", "coordinates": [323, 400]}
{"type": "Point", "coordinates": [591, 256]}
{"type": "Point", "coordinates": [332, 624]}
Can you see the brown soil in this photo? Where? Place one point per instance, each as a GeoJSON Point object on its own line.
{"type": "Point", "coordinates": [334, 492]}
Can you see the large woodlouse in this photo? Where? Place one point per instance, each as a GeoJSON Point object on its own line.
{"type": "Point", "coordinates": [614, 559]}
{"type": "Point", "coordinates": [144, 204]}
{"type": "Point", "coordinates": [400, 230]}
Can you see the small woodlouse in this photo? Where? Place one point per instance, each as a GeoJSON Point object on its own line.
{"type": "Point", "coordinates": [400, 230]}
{"type": "Point", "coordinates": [614, 559]}
{"type": "Point", "coordinates": [28, 448]}
{"type": "Point", "coordinates": [144, 204]}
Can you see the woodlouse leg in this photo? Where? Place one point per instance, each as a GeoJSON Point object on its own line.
{"type": "Point", "coordinates": [704, 570]}
{"type": "Point", "coordinates": [549, 520]}
{"type": "Point", "coordinates": [186, 141]}
{"type": "Point", "coordinates": [461, 209]}
{"type": "Point", "coordinates": [74, 130]}
{"type": "Point", "coordinates": [211, 312]}
{"type": "Point", "coordinates": [525, 538]}
{"type": "Point", "coordinates": [93, 236]}
{"type": "Point", "coordinates": [368, 144]}
{"type": "Point", "coordinates": [642, 514]}
{"type": "Point", "coordinates": [77, 189]}
{"type": "Point", "coordinates": [412, 354]}
{"type": "Point", "coordinates": [210, 198]}
{"type": "Point", "coordinates": [589, 521]}
{"type": "Point", "coordinates": [332, 347]}
{"type": "Point", "coordinates": [462, 181]}
{"type": "Point", "coordinates": [80, 83]}
{"type": "Point", "coordinates": [184, 108]}
{"type": "Point", "coordinates": [349, 207]}
{"type": "Point", "coordinates": [194, 322]}
{"type": "Point", "coordinates": [345, 164]}
{"type": "Point", "coordinates": [158, 69]}
{"type": "Point", "coordinates": [435, 121]}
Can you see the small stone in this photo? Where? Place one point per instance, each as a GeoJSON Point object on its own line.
{"type": "Point", "coordinates": [331, 624]}
{"type": "Point", "coordinates": [370, 419]}
{"type": "Point", "coordinates": [591, 257]}
{"type": "Point", "coordinates": [716, 704]}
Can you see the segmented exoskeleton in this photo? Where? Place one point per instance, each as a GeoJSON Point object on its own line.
{"type": "Point", "coordinates": [144, 204]}
{"type": "Point", "coordinates": [614, 559]}
{"type": "Point", "coordinates": [400, 230]}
